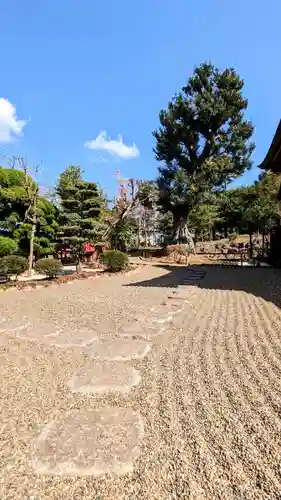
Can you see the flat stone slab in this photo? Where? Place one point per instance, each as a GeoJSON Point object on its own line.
{"type": "Point", "coordinates": [138, 329]}
{"type": "Point", "coordinates": [161, 314]}
{"type": "Point", "coordinates": [119, 349]}
{"type": "Point", "coordinates": [39, 334]}
{"type": "Point", "coordinates": [176, 297]}
{"type": "Point", "coordinates": [13, 326]}
{"type": "Point", "coordinates": [174, 302]}
{"type": "Point", "coordinates": [89, 443]}
{"type": "Point", "coordinates": [165, 319]}
{"type": "Point", "coordinates": [80, 338]}
{"type": "Point", "coordinates": [104, 378]}
{"type": "Point", "coordinates": [174, 306]}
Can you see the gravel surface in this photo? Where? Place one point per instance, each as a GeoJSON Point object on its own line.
{"type": "Point", "coordinates": [209, 395]}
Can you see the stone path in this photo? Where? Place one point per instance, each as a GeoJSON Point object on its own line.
{"type": "Point", "coordinates": [106, 440]}
{"type": "Point", "coordinates": [201, 423]}
{"type": "Point", "coordinates": [89, 443]}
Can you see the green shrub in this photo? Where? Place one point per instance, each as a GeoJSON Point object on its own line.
{"type": "Point", "coordinates": [7, 246]}
{"type": "Point", "coordinates": [13, 264]}
{"type": "Point", "coordinates": [114, 260]}
{"type": "Point", "coordinates": [50, 267]}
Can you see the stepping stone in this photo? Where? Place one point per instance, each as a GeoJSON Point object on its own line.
{"type": "Point", "coordinates": [165, 319]}
{"type": "Point", "coordinates": [161, 312]}
{"type": "Point", "coordinates": [174, 306]}
{"type": "Point", "coordinates": [13, 326]}
{"type": "Point", "coordinates": [176, 297]}
{"type": "Point", "coordinates": [119, 349]}
{"type": "Point", "coordinates": [104, 378]}
{"type": "Point", "coordinates": [173, 302]}
{"type": "Point", "coordinates": [89, 443]}
{"type": "Point", "coordinates": [137, 329]}
{"type": "Point", "coordinates": [80, 338]}
{"type": "Point", "coordinates": [41, 333]}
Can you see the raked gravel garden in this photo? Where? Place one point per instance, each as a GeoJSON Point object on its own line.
{"type": "Point", "coordinates": [161, 383]}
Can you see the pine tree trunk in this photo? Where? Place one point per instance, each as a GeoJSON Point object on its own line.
{"type": "Point", "coordinates": [179, 223]}
{"type": "Point", "coordinates": [31, 246]}
{"type": "Point", "coordinates": [181, 233]}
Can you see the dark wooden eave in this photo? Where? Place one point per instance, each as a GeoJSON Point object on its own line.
{"type": "Point", "coordinates": [272, 160]}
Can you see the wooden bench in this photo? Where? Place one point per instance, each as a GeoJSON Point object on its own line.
{"type": "Point", "coordinates": [3, 278]}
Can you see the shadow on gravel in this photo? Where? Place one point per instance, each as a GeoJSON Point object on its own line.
{"type": "Point", "coordinates": [261, 282]}
{"type": "Point", "coordinates": [174, 278]}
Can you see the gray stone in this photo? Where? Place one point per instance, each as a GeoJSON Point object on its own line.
{"type": "Point", "coordinates": [39, 333]}
{"type": "Point", "coordinates": [105, 377]}
{"type": "Point", "coordinates": [74, 338]}
{"type": "Point", "coordinates": [13, 326]}
{"type": "Point", "coordinates": [138, 329]}
{"type": "Point", "coordinates": [168, 318]}
{"type": "Point", "coordinates": [174, 303]}
{"type": "Point", "coordinates": [119, 349]}
{"type": "Point", "coordinates": [85, 443]}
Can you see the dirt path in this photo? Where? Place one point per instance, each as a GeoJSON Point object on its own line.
{"type": "Point", "coordinates": [203, 420]}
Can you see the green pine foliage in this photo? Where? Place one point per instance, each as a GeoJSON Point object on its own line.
{"type": "Point", "coordinates": [80, 206]}
{"type": "Point", "coordinates": [203, 141]}
{"type": "Point", "coordinates": [8, 246]}
{"type": "Point", "coordinates": [13, 223]}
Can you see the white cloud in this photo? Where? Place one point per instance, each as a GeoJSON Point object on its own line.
{"type": "Point", "coordinates": [10, 126]}
{"type": "Point", "coordinates": [114, 147]}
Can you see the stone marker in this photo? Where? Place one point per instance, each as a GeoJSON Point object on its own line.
{"type": "Point", "coordinates": [89, 442]}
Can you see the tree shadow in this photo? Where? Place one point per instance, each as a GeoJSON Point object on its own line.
{"type": "Point", "coordinates": [261, 282]}
{"type": "Point", "coordinates": [176, 276]}
{"type": "Point", "coordinates": [264, 283]}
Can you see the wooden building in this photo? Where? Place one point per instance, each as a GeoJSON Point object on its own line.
{"type": "Point", "coordinates": [272, 162]}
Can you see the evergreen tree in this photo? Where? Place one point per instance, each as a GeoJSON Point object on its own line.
{"type": "Point", "coordinates": [80, 206]}
{"type": "Point", "coordinates": [14, 202]}
{"type": "Point", "coordinates": [203, 141]}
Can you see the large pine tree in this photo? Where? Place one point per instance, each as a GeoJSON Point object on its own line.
{"type": "Point", "coordinates": [80, 206]}
{"type": "Point", "coordinates": [203, 141]}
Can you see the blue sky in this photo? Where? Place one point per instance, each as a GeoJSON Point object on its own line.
{"type": "Point", "coordinates": [73, 69]}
